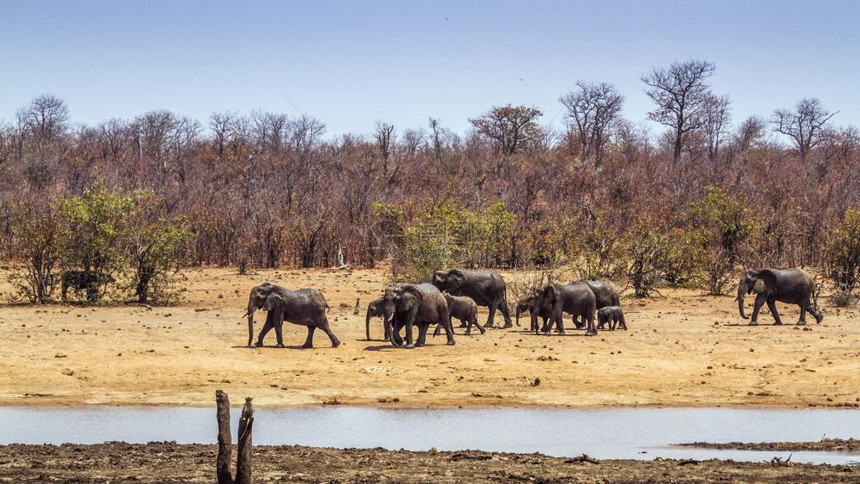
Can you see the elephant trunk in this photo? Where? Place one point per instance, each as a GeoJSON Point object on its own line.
{"type": "Point", "coordinates": [367, 324]}
{"type": "Point", "coordinates": [518, 312]}
{"type": "Point", "coordinates": [742, 289]}
{"type": "Point", "coordinates": [252, 306]}
{"type": "Point", "coordinates": [250, 327]}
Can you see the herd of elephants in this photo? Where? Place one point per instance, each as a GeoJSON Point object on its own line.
{"type": "Point", "coordinates": [457, 293]}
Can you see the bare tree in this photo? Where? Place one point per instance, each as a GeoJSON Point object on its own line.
{"type": "Point", "coordinates": [805, 124]}
{"type": "Point", "coordinates": [384, 139]}
{"type": "Point", "coordinates": [44, 120]}
{"type": "Point", "coordinates": [749, 133]}
{"type": "Point", "coordinates": [510, 127]}
{"type": "Point", "coordinates": [679, 92]}
{"type": "Point", "coordinates": [715, 122]}
{"type": "Point", "coordinates": [222, 125]}
{"type": "Point", "coordinates": [593, 109]}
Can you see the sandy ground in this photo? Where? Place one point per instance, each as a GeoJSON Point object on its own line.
{"type": "Point", "coordinates": [683, 349]}
{"type": "Point", "coordinates": [164, 462]}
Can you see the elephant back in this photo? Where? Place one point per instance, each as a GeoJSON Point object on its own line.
{"type": "Point", "coordinates": [579, 294]}
{"type": "Point", "coordinates": [305, 302]}
{"type": "Point", "coordinates": [605, 293]}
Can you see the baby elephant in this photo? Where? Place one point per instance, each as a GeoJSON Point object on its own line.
{"type": "Point", "coordinates": [465, 309]}
{"type": "Point", "coordinates": [614, 315]}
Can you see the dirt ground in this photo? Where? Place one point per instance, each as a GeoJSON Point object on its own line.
{"type": "Point", "coordinates": [171, 463]}
{"type": "Point", "coordinates": [682, 349]}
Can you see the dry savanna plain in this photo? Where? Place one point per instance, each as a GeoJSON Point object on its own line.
{"type": "Point", "coordinates": [682, 349]}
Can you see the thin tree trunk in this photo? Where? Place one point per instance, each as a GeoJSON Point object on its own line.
{"type": "Point", "coordinates": [225, 440]}
{"type": "Point", "coordinates": [243, 462]}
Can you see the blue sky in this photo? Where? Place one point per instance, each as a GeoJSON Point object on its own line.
{"type": "Point", "coordinates": [354, 63]}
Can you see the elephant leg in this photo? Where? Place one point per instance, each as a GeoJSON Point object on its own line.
{"type": "Point", "coordinates": [506, 313]}
{"type": "Point", "coordinates": [815, 313]}
{"type": "Point", "coordinates": [410, 343]}
{"type": "Point", "coordinates": [545, 327]}
{"type": "Point", "coordinates": [759, 302]}
{"type": "Point", "coordinates": [475, 322]}
{"type": "Point", "coordinates": [266, 328]}
{"type": "Point", "coordinates": [279, 335]}
{"type": "Point", "coordinates": [772, 306]}
{"type": "Point", "coordinates": [396, 340]}
{"type": "Point", "coordinates": [492, 309]}
{"type": "Point", "coordinates": [327, 329]}
{"type": "Point", "coordinates": [591, 330]}
{"type": "Point", "coordinates": [309, 342]}
{"type": "Point", "coordinates": [559, 324]}
{"type": "Point", "coordinates": [439, 329]}
{"type": "Point", "coordinates": [622, 324]}
{"type": "Point", "coordinates": [422, 334]}
{"type": "Point", "coordinates": [577, 323]}
{"type": "Point", "coordinates": [387, 324]}
{"type": "Point", "coordinates": [465, 322]}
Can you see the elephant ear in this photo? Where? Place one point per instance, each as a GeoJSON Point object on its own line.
{"type": "Point", "coordinates": [549, 292]}
{"type": "Point", "coordinates": [439, 277]}
{"type": "Point", "coordinates": [274, 301]}
{"type": "Point", "coordinates": [410, 296]}
{"type": "Point", "coordinates": [455, 280]}
{"type": "Point", "coordinates": [766, 280]}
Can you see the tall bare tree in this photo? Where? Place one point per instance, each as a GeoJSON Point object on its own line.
{"type": "Point", "coordinates": [679, 93]}
{"type": "Point", "coordinates": [749, 132]}
{"type": "Point", "coordinates": [384, 142]}
{"type": "Point", "coordinates": [510, 127]}
{"type": "Point", "coordinates": [805, 124]}
{"type": "Point", "coordinates": [715, 122]}
{"type": "Point", "coordinates": [44, 120]}
{"type": "Point", "coordinates": [592, 109]}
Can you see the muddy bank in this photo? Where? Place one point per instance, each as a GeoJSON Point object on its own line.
{"type": "Point", "coordinates": [838, 445]}
{"type": "Point", "coordinates": [171, 463]}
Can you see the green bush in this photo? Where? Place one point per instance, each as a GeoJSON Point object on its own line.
{"type": "Point", "coordinates": [91, 228]}
{"type": "Point", "coordinates": [719, 224]}
{"type": "Point", "coordinates": [153, 245]}
{"type": "Point", "coordinates": [843, 255]}
{"type": "Point", "coordinates": [649, 252]}
{"type": "Point", "coordinates": [35, 238]}
{"type": "Point", "coordinates": [434, 235]}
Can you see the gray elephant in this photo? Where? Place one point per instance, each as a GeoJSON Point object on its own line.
{"type": "Point", "coordinates": [534, 304]}
{"type": "Point", "coordinates": [378, 309]}
{"type": "Point", "coordinates": [793, 286]}
{"type": "Point", "coordinates": [605, 294]}
{"type": "Point", "coordinates": [306, 307]}
{"type": "Point", "coordinates": [614, 315]}
{"type": "Point", "coordinates": [420, 305]}
{"type": "Point", "coordinates": [486, 288]}
{"type": "Point", "coordinates": [575, 299]}
{"type": "Point", "coordinates": [464, 309]}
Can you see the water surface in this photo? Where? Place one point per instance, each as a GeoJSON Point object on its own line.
{"type": "Point", "coordinates": [605, 433]}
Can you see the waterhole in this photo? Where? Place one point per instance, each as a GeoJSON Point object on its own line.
{"type": "Point", "coordinates": [605, 433]}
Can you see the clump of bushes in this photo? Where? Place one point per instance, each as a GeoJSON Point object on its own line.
{"type": "Point", "coordinates": [100, 236]}
{"type": "Point", "coordinates": [843, 257]}
{"type": "Point", "coordinates": [431, 235]}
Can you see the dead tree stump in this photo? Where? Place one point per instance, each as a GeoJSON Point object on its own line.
{"type": "Point", "coordinates": [243, 461]}
{"type": "Point", "coordinates": [225, 440]}
{"type": "Point", "coordinates": [225, 449]}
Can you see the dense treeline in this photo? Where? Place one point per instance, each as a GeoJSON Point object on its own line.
{"type": "Point", "coordinates": [605, 198]}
